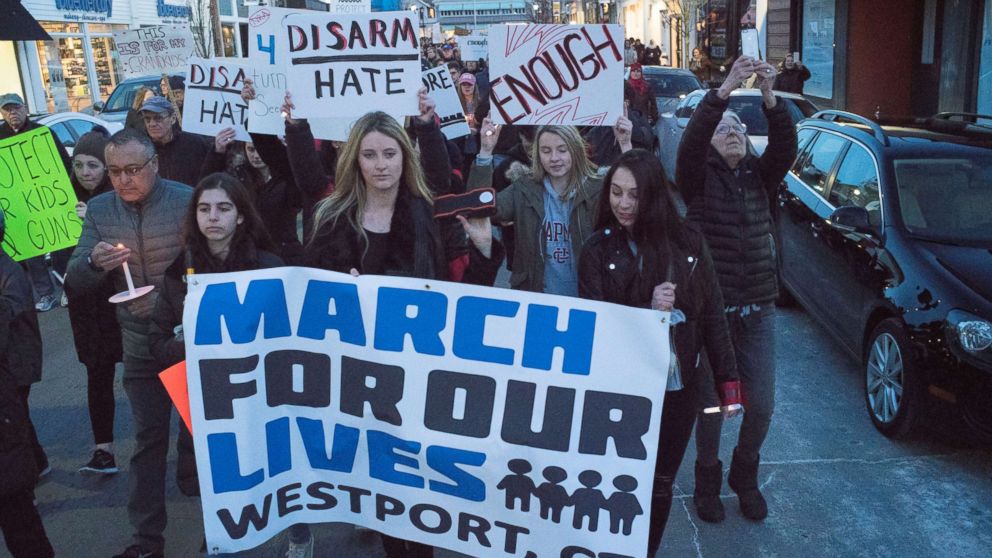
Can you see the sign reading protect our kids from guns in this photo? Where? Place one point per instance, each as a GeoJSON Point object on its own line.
{"type": "Point", "coordinates": [36, 197]}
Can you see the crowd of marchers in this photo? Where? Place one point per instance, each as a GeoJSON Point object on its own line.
{"type": "Point", "coordinates": [580, 212]}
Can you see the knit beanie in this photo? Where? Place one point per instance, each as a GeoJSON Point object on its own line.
{"type": "Point", "coordinates": [92, 144]}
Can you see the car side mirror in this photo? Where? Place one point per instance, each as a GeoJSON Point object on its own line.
{"type": "Point", "coordinates": [98, 107]}
{"type": "Point", "coordinates": [851, 218]}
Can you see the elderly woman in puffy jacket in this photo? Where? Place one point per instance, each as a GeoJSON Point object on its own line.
{"type": "Point", "coordinates": [643, 255]}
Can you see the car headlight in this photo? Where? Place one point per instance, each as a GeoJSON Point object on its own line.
{"type": "Point", "coordinates": [972, 333]}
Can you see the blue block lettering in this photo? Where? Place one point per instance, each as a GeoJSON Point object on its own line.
{"type": "Point", "coordinates": [342, 453]}
{"type": "Point", "coordinates": [445, 461]}
{"type": "Point", "coordinates": [383, 459]}
{"type": "Point", "coordinates": [225, 471]}
{"type": "Point", "coordinates": [270, 48]}
{"type": "Point", "coordinates": [542, 336]}
{"type": "Point", "coordinates": [265, 297]}
{"type": "Point", "coordinates": [347, 317]}
{"type": "Point", "coordinates": [392, 324]}
{"type": "Point", "coordinates": [470, 328]}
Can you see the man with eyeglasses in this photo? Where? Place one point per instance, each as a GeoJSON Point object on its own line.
{"type": "Point", "coordinates": [181, 155]}
{"type": "Point", "coordinates": [729, 192]}
{"type": "Point", "coordinates": [141, 223]}
{"type": "Point", "coordinates": [16, 121]}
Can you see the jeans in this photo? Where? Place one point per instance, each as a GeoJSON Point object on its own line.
{"type": "Point", "coordinates": [100, 400]}
{"type": "Point", "coordinates": [677, 418]}
{"type": "Point", "coordinates": [152, 411]}
{"type": "Point", "coordinates": [41, 278]}
{"type": "Point", "coordinates": [753, 337]}
{"type": "Point", "coordinates": [22, 527]}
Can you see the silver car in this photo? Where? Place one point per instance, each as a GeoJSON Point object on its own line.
{"type": "Point", "coordinates": [69, 126]}
{"type": "Point", "coordinates": [745, 102]}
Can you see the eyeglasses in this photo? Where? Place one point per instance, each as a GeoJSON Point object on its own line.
{"type": "Point", "coordinates": [724, 129]}
{"type": "Point", "coordinates": [149, 118]}
{"type": "Point", "coordinates": [130, 171]}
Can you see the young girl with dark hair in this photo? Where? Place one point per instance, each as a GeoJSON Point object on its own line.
{"type": "Point", "coordinates": [643, 255]}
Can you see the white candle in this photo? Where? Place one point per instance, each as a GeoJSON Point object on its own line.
{"type": "Point", "coordinates": [127, 275]}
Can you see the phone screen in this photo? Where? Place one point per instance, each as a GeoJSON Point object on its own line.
{"type": "Point", "coordinates": [749, 43]}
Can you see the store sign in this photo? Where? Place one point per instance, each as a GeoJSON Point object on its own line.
{"type": "Point", "coordinates": [104, 8]}
{"type": "Point", "coordinates": [171, 11]}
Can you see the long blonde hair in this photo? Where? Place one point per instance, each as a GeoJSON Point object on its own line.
{"type": "Point", "coordinates": [350, 195]}
{"type": "Point", "coordinates": [582, 167]}
{"type": "Point", "coordinates": [139, 97]}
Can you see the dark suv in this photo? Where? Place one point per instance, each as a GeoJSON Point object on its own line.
{"type": "Point", "coordinates": [885, 233]}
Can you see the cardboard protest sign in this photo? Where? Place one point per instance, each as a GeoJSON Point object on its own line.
{"type": "Point", "coordinates": [447, 104]}
{"type": "Point", "coordinates": [36, 197]}
{"type": "Point", "coordinates": [350, 64]}
{"type": "Point", "coordinates": [162, 49]}
{"type": "Point", "coordinates": [474, 46]}
{"type": "Point", "coordinates": [488, 421]}
{"type": "Point", "coordinates": [213, 97]}
{"type": "Point", "coordinates": [350, 6]}
{"type": "Point", "coordinates": [556, 74]}
{"type": "Point", "coordinates": [268, 59]}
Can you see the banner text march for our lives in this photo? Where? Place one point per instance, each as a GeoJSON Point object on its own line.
{"type": "Point", "coordinates": [556, 74]}
{"type": "Point", "coordinates": [487, 421]}
{"type": "Point", "coordinates": [36, 197]}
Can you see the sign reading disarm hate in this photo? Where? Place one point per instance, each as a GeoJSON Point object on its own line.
{"type": "Point", "coordinates": [213, 97]}
{"type": "Point", "coordinates": [36, 197]}
{"type": "Point", "coordinates": [488, 421]}
{"type": "Point", "coordinates": [350, 64]}
{"type": "Point", "coordinates": [556, 74]}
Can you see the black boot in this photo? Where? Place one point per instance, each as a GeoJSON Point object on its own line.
{"type": "Point", "coordinates": [743, 479]}
{"type": "Point", "coordinates": [706, 495]}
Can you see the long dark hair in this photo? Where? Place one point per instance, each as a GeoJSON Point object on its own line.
{"type": "Point", "coordinates": [249, 236]}
{"type": "Point", "coordinates": [658, 230]}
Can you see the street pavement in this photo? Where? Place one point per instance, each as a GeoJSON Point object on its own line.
{"type": "Point", "coordinates": [835, 487]}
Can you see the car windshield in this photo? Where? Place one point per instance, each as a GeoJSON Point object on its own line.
{"type": "Point", "coordinates": [749, 109]}
{"type": "Point", "coordinates": [671, 85]}
{"type": "Point", "coordinates": [123, 96]}
{"type": "Point", "coordinates": [947, 200]}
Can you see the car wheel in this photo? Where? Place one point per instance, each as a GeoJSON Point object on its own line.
{"type": "Point", "coordinates": [892, 382]}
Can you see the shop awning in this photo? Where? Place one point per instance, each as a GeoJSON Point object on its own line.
{"type": "Point", "coordinates": [16, 24]}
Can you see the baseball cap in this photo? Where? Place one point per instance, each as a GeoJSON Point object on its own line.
{"type": "Point", "coordinates": [11, 99]}
{"type": "Point", "coordinates": [446, 46]}
{"type": "Point", "coordinates": [156, 104]}
{"type": "Point", "coordinates": [467, 78]}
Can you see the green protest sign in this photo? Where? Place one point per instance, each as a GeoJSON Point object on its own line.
{"type": "Point", "coordinates": [36, 197]}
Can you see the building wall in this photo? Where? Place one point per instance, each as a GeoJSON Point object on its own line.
{"type": "Point", "coordinates": [881, 56]}
{"type": "Point", "coordinates": [778, 24]}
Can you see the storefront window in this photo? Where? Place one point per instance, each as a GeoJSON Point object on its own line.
{"type": "Point", "coordinates": [227, 31]}
{"type": "Point", "coordinates": [63, 70]}
{"type": "Point", "coordinates": [107, 72]}
{"type": "Point", "coordinates": [818, 47]}
{"type": "Point", "coordinates": [716, 30]}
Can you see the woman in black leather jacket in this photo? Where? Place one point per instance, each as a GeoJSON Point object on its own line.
{"type": "Point", "coordinates": [643, 255]}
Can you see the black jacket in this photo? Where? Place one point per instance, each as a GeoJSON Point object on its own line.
{"type": "Point", "coordinates": [20, 338]}
{"type": "Point", "coordinates": [792, 80]}
{"type": "Point", "coordinates": [608, 271]}
{"type": "Point", "coordinates": [169, 308]}
{"type": "Point", "coordinates": [183, 159]}
{"type": "Point", "coordinates": [732, 206]}
{"type": "Point", "coordinates": [603, 147]}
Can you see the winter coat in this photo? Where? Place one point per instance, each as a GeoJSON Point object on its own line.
{"type": "Point", "coordinates": [608, 271]}
{"type": "Point", "coordinates": [135, 120]}
{"type": "Point", "coordinates": [651, 56]}
{"type": "Point", "coordinates": [703, 68]}
{"type": "Point", "coordinates": [646, 104]}
{"type": "Point", "coordinates": [153, 232]}
{"type": "Point", "coordinates": [792, 80]}
{"type": "Point", "coordinates": [95, 330]}
{"type": "Point", "coordinates": [20, 338]}
{"type": "Point", "coordinates": [523, 204]}
{"type": "Point", "coordinates": [169, 308]}
{"type": "Point", "coordinates": [20, 470]}
{"type": "Point", "coordinates": [732, 208]}
{"type": "Point", "coordinates": [603, 147]}
{"type": "Point", "coordinates": [182, 159]}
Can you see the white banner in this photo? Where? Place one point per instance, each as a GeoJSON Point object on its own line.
{"type": "Point", "coordinates": [350, 64]}
{"type": "Point", "coordinates": [447, 104]}
{"type": "Point", "coordinates": [267, 57]}
{"type": "Point", "coordinates": [487, 421]}
{"type": "Point", "coordinates": [213, 97]}
{"type": "Point", "coordinates": [163, 49]}
{"type": "Point", "coordinates": [474, 46]}
{"type": "Point", "coordinates": [556, 74]}
{"type": "Point", "coordinates": [351, 6]}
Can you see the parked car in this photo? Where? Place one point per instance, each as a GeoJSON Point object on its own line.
{"type": "Point", "coordinates": [885, 235]}
{"type": "Point", "coordinates": [69, 126]}
{"type": "Point", "coordinates": [745, 102]}
{"type": "Point", "coordinates": [670, 85]}
{"type": "Point", "coordinates": [120, 100]}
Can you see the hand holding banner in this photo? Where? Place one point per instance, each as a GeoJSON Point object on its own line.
{"type": "Point", "coordinates": [449, 107]}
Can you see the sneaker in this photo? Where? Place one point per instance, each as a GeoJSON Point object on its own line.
{"type": "Point", "coordinates": [102, 463]}
{"type": "Point", "coordinates": [135, 551]}
{"type": "Point", "coordinates": [46, 303]}
{"type": "Point", "coordinates": [300, 550]}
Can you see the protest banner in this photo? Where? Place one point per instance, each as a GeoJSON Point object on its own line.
{"type": "Point", "coordinates": [343, 65]}
{"type": "Point", "coordinates": [162, 49]}
{"type": "Point", "coordinates": [447, 105]}
{"type": "Point", "coordinates": [36, 197]}
{"type": "Point", "coordinates": [488, 421]}
{"type": "Point", "coordinates": [351, 6]}
{"type": "Point", "coordinates": [474, 46]}
{"type": "Point", "coordinates": [556, 74]}
{"type": "Point", "coordinates": [213, 97]}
